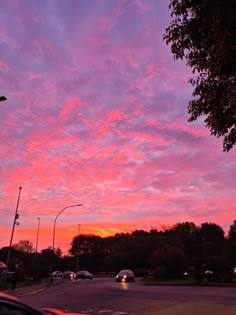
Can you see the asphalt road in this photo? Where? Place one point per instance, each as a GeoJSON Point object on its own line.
{"type": "Point", "coordinates": [106, 297]}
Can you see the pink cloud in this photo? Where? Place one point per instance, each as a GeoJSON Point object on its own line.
{"type": "Point", "coordinates": [97, 114]}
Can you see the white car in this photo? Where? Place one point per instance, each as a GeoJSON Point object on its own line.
{"type": "Point", "coordinates": [57, 274]}
{"type": "Point", "coordinates": [69, 275]}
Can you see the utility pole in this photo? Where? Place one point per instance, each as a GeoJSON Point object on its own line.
{"type": "Point", "coordinates": [78, 247]}
{"type": "Point", "coordinates": [36, 249]}
{"type": "Point", "coordinates": [15, 222]}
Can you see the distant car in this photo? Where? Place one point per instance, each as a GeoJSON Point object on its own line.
{"type": "Point", "coordinates": [208, 272]}
{"type": "Point", "coordinates": [57, 274]}
{"type": "Point", "coordinates": [125, 275]}
{"type": "Point", "coordinates": [11, 305]}
{"type": "Point", "coordinates": [69, 275]}
{"type": "Point", "coordinates": [84, 274]}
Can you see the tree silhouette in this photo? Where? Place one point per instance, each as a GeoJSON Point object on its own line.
{"type": "Point", "coordinates": [204, 33]}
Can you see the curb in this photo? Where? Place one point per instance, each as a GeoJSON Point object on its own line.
{"type": "Point", "coordinates": [31, 292]}
{"type": "Point", "coordinates": [206, 285]}
{"type": "Point", "coordinates": [38, 290]}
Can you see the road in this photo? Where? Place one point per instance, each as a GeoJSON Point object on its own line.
{"type": "Point", "coordinates": [106, 297]}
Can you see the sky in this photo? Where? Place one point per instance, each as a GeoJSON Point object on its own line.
{"type": "Point", "coordinates": [96, 114]}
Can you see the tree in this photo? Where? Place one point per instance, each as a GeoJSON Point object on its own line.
{"type": "Point", "coordinates": [185, 228]}
{"type": "Point", "coordinates": [187, 233]}
{"type": "Point", "coordinates": [52, 257]}
{"type": "Point", "coordinates": [50, 253]}
{"type": "Point", "coordinates": [87, 245]}
{"type": "Point", "coordinates": [204, 33]}
{"type": "Point", "coordinates": [212, 241]}
{"type": "Point", "coordinates": [24, 246]}
{"type": "Point", "coordinates": [170, 257]}
{"type": "Point", "coordinates": [211, 232]}
{"type": "Point", "coordinates": [232, 242]}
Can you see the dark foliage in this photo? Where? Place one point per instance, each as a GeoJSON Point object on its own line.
{"type": "Point", "coordinates": [165, 254]}
{"type": "Point", "coordinates": [204, 33]}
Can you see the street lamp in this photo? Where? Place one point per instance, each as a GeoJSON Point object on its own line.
{"type": "Point", "coordinates": [54, 227]}
{"type": "Point", "coordinates": [15, 222]}
{"type": "Point", "coordinates": [37, 239]}
{"type": "Point", "coordinates": [3, 98]}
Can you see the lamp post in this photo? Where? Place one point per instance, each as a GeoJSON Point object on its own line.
{"type": "Point", "coordinates": [54, 226]}
{"type": "Point", "coordinates": [15, 222]}
{"type": "Point", "coordinates": [37, 239]}
{"type": "Point", "coordinates": [3, 98]}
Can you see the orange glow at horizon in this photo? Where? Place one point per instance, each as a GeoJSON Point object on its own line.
{"type": "Point", "coordinates": [63, 234]}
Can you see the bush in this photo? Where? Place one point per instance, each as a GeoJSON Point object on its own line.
{"type": "Point", "coordinates": [197, 275]}
{"type": "Point", "coordinates": [160, 273]}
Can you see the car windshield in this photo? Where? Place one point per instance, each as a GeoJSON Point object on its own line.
{"type": "Point", "coordinates": [123, 272]}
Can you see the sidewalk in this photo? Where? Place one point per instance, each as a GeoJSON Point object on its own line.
{"type": "Point", "coordinates": [32, 289]}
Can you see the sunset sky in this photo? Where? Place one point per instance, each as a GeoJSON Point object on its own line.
{"type": "Point", "coordinates": [96, 113]}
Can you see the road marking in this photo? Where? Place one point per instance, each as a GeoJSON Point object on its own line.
{"type": "Point", "coordinates": [105, 311]}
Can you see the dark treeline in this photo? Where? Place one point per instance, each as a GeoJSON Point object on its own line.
{"type": "Point", "coordinates": [203, 251]}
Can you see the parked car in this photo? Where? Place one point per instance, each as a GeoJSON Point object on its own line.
{"type": "Point", "coordinates": [125, 275]}
{"type": "Point", "coordinates": [11, 305]}
{"type": "Point", "coordinates": [84, 274]}
{"type": "Point", "coordinates": [69, 275]}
